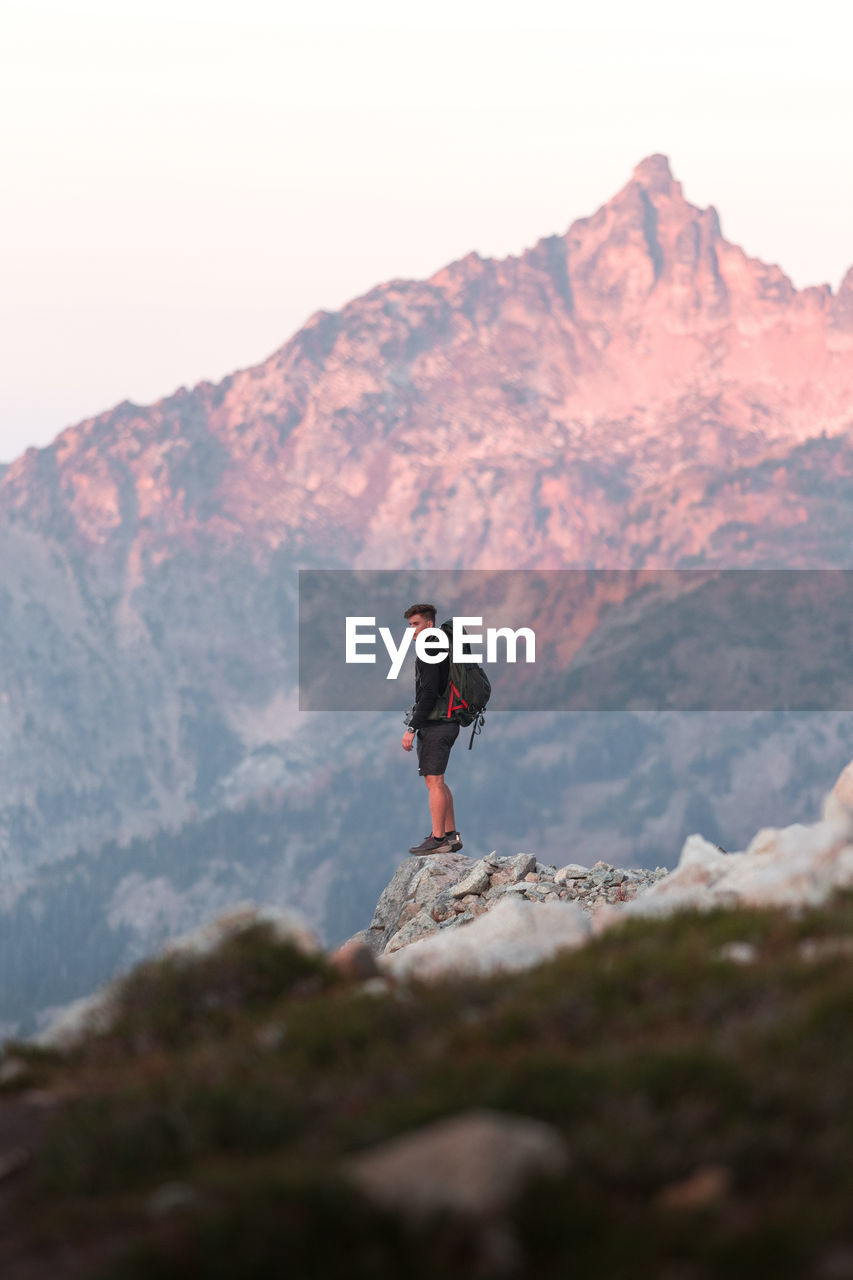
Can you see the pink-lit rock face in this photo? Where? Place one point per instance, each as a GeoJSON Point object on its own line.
{"type": "Point", "coordinates": [568, 406]}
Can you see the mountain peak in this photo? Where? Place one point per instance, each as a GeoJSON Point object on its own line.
{"type": "Point", "coordinates": [655, 174]}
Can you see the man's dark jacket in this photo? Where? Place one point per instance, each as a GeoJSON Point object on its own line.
{"type": "Point", "coordinates": [430, 683]}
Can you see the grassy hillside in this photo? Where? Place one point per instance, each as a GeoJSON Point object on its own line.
{"type": "Point", "coordinates": [704, 1092]}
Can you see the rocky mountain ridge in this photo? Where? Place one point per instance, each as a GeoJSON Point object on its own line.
{"type": "Point", "coordinates": [641, 328]}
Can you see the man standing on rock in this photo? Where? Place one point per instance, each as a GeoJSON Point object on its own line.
{"type": "Point", "coordinates": [435, 739]}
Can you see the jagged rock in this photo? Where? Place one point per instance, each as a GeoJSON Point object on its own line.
{"type": "Point", "coordinates": [462, 918]}
{"type": "Point", "coordinates": [480, 885]}
{"type": "Point", "coordinates": [450, 886]}
{"type": "Point", "coordinates": [418, 927]}
{"type": "Point", "coordinates": [475, 1163]}
{"type": "Point", "coordinates": [511, 870]}
{"type": "Point", "coordinates": [500, 880]}
{"type": "Point", "coordinates": [512, 935]}
{"type": "Point", "coordinates": [393, 897]}
{"type": "Point", "coordinates": [792, 867]}
{"type": "Point", "coordinates": [476, 881]}
{"type": "Point", "coordinates": [444, 908]}
{"type": "Point", "coordinates": [422, 881]}
{"type": "Point", "coordinates": [572, 871]}
{"type": "Point", "coordinates": [410, 910]}
{"type": "Point", "coordinates": [521, 865]}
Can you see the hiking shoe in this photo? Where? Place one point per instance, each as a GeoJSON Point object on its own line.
{"type": "Point", "coordinates": [432, 844]}
{"type": "Point", "coordinates": [452, 838]}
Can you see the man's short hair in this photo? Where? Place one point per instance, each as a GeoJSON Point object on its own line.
{"type": "Point", "coordinates": [425, 610]}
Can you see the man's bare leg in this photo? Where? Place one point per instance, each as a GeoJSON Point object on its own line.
{"type": "Point", "coordinates": [437, 802]}
{"type": "Point", "coordinates": [449, 816]}
{"type": "Point", "coordinates": [440, 804]}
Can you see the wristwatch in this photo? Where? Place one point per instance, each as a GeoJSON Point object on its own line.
{"type": "Point", "coordinates": [410, 729]}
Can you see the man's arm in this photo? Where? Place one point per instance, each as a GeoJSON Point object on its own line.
{"type": "Point", "coordinates": [433, 683]}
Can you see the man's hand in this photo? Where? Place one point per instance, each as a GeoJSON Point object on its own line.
{"type": "Point", "coordinates": [408, 740]}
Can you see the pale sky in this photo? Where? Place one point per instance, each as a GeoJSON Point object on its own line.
{"type": "Point", "coordinates": [184, 183]}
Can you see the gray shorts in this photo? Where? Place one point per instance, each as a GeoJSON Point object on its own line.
{"type": "Point", "coordinates": [433, 746]}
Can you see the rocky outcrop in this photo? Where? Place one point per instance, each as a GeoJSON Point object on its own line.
{"type": "Point", "coordinates": [514, 934]}
{"type": "Point", "coordinates": [442, 892]}
{"type": "Point", "coordinates": [415, 888]}
{"type": "Point", "coordinates": [791, 867]}
{"type": "Point", "coordinates": [519, 917]}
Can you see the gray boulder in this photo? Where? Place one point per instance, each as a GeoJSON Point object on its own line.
{"type": "Point", "coordinates": [475, 1163]}
{"type": "Point", "coordinates": [418, 883]}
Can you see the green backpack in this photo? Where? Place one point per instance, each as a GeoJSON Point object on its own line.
{"type": "Point", "coordinates": [468, 690]}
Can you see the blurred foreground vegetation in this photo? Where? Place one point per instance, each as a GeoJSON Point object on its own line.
{"type": "Point", "coordinates": [704, 1090]}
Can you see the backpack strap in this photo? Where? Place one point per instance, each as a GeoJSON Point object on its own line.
{"type": "Point", "coordinates": [476, 727]}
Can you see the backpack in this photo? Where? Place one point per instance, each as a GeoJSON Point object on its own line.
{"type": "Point", "coordinates": [468, 690]}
